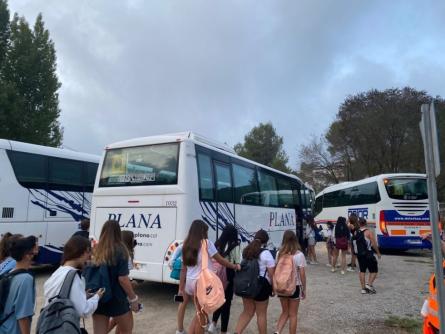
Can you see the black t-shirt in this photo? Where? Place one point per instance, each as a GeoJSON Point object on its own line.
{"type": "Point", "coordinates": [119, 269]}
{"type": "Point", "coordinates": [84, 234]}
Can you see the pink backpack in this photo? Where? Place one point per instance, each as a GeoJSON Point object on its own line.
{"type": "Point", "coordinates": [209, 289]}
{"type": "Point", "coordinates": [285, 276]}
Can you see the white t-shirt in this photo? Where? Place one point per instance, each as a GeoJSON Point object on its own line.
{"type": "Point", "coordinates": [193, 272]}
{"type": "Point", "coordinates": [84, 307]}
{"type": "Point", "coordinates": [265, 261]}
{"type": "Point", "coordinates": [300, 262]}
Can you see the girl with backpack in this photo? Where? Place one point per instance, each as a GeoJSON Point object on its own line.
{"type": "Point", "coordinates": [111, 254]}
{"type": "Point", "coordinates": [7, 263]}
{"type": "Point", "coordinates": [192, 260]}
{"type": "Point", "coordinates": [341, 239]}
{"type": "Point", "coordinates": [258, 304]}
{"type": "Point", "coordinates": [311, 229]}
{"type": "Point", "coordinates": [228, 246]}
{"type": "Point", "coordinates": [76, 253]}
{"type": "Point", "coordinates": [290, 251]}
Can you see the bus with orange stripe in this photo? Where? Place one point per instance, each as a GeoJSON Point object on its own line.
{"type": "Point", "coordinates": [395, 205]}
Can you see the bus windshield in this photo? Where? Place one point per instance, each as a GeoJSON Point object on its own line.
{"type": "Point", "coordinates": [141, 165]}
{"type": "Point", "coordinates": [406, 188]}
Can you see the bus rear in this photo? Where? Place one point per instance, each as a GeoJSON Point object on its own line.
{"type": "Point", "coordinates": [138, 186]}
{"type": "Point", "coordinates": [403, 212]}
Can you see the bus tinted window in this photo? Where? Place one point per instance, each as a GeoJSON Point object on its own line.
{"type": "Point", "coordinates": [246, 187]}
{"type": "Point", "coordinates": [65, 173]}
{"type": "Point", "coordinates": [29, 169]}
{"type": "Point", "coordinates": [268, 187]}
{"type": "Point", "coordinates": [224, 191]}
{"type": "Point", "coordinates": [406, 189]}
{"type": "Point", "coordinates": [285, 197]}
{"type": "Point", "coordinates": [205, 177]}
{"type": "Point", "coordinates": [365, 194]}
{"type": "Point", "coordinates": [90, 174]}
{"type": "Point", "coordinates": [142, 165]}
{"type": "Point", "coordinates": [318, 205]}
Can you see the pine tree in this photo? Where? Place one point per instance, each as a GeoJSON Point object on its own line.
{"type": "Point", "coordinates": [29, 102]}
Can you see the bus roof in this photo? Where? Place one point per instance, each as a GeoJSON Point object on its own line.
{"type": "Point", "coordinates": [195, 138]}
{"type": "Point", "coordinates": [48, 151]}
{"type": "Point", "coordinates": [344, 185]}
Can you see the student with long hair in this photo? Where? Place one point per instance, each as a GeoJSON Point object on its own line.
{"type": "Point", "coordinates": [258, 305]}
{"type": "Point", "coordinates": [289, 305]}
{"type": "Point", "coordinates": [311, 242]}
{"type": "Point", "coordinates": [353, 226]}
{"type": "Point", "coordinates": [112, 253]}
{"type": "Point", "coordinates": [341, 239]}
{"type": "Point", "coordinates": [130, 244]}
{"type": "Point", "coordinates": [76, 253]}
{"type": "Point", "coordinates": [228, 246]}
{"type": "Point", "coordinates": [20, 302]}
{"type": "Point", "coordinates": [191, 258]}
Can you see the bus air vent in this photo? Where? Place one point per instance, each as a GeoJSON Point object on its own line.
{"type": "Point", "coordinates": [8, 213]}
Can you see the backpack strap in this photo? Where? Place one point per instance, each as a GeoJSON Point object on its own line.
{"type": "Point", "coordinates": [204, 255]}
{"type": "Point", "coordinates": [64, 292]}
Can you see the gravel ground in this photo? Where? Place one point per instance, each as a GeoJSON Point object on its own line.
{"type": "Point", "coordinates": [333, 305]}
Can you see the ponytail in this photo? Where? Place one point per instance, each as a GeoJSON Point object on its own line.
{"type": "Point", "coordinates": [253, 249]}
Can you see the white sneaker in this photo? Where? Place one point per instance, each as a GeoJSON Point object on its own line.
{"type": "Point", "coordinates": [212, 328]}
{"type": "Point", "coordinates": [332, 270]}
{"type": "Point", "coordinates": [328, 265]}
{"type": "Point", "coordinates": [181, 332]}
{"type": "Point", "coordinates": [342, 272]}
{"type": "Point", "coordinates": [370, 288]}
{"type": "Point", "coordinates": [351, 269]}
{"type": "Point", "coordinates": [364, 291]}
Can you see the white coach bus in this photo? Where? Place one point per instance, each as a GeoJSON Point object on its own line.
{"type": "Point", "coordinates": [156, 186]}
{"type": "Point", "coordinates": [396, 205]}
{"type": "Point", "coordinates": [45, 192]}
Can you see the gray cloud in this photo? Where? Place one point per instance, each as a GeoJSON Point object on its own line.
{"type": "Point", "coordinates": [140, 68]}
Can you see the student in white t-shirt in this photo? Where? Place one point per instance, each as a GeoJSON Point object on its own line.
{"type": "Point", "coordinates": [76, 253]}
{"type": "Point", "coordinates": [258, 305]}
{"type": "Point", "coordinates": [191, 258]}
{"type": "Point", "coordinates": [289, 305]}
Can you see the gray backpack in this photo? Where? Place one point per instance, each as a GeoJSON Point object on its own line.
{"type": "Point", "coordinates": [60, 316]}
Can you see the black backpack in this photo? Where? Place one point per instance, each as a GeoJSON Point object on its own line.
{"type": "Point", "coordinates": [360, 244]}
{"type": "Point", "coordinates": [5, 285]}
{"type": "Point", "coordinates": [60, 316]}
{"type": "Point", "coordinates": [246, 281]}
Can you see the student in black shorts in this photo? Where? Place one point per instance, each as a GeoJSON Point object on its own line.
{"type": "Point", "coordinates": [364, 244]}
{"type": "Point", "coordinates": [111, 251]}
{"type": "Point", "coordinates": [259, 304]}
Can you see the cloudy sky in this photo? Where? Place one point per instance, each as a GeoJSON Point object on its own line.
{"type": "Point", "coordinates": [138, 68]}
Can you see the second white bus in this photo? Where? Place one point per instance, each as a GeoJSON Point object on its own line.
{"type": "Point", "coordinates": [395, 205]}
{"type": "Point", "coordinates": [44, 191]}
{"type": "Point", "coordinates": [156, 186]}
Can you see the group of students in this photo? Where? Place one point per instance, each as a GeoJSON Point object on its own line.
{"type": "Point", "coordinates": [354, 236]}
{"type": "Point", "coordinates": [111, 307]}
{"type": "Point", "coordinates": [225, 252]}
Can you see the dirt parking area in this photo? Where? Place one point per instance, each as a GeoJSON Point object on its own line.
{"type": "Point", "coordinates": [333, 305]}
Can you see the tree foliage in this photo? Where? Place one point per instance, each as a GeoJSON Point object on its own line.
{"type": "Point", "coordinates": [263, 145]}
{"type": "Point", "coordinates": [29, 102]}
{"type": "Point", "coordinates": [374, 132]}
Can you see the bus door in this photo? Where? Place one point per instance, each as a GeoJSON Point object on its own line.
{"type": "Point", "coordinates": [225, 208]}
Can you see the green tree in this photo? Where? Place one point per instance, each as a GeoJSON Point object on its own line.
{"type": "Point", "coordinates": [4, 31]}
{"type": "Point", "coordinates": [263, 145]}
{"type": "Point", "coordinates": [29, 102]}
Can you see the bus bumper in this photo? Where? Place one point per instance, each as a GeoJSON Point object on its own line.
{"type": "Point", "coordinates": [389, 242]}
